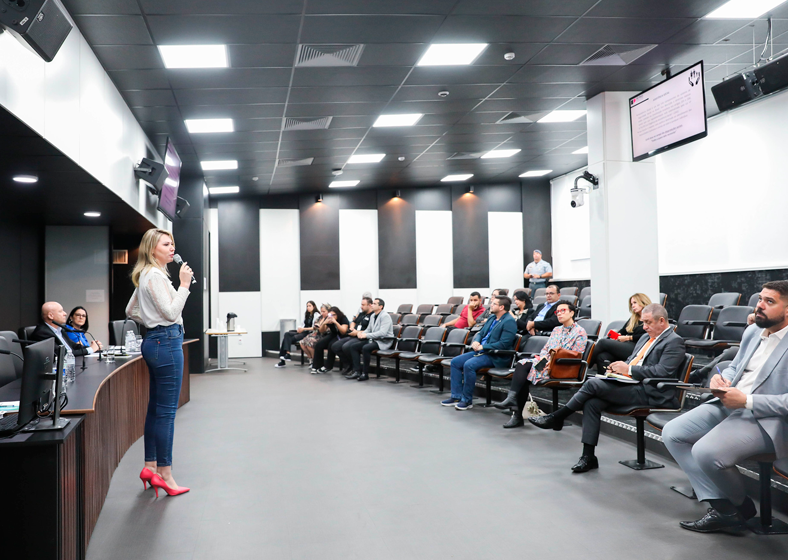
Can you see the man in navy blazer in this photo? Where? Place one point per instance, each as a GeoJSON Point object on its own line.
{"type": "Point", "coordinates": [498, 333]}
{"type": "Point", "coordinates": [749, 417]}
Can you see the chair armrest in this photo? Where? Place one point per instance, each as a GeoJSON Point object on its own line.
{"type": "Point", "coordinates": [655, 380]}
{"type": "Point", "coordinates": [734, 324]}
{"type": "Point", "coordinates": [410, 339]}
{"type": "Point", "coordinates": [697, 322]}
{"type": "Point", "coordinates": [450, 344]}
{"type": "Point", "coordinates": [569, 361]}
{"type": "Point", "coordinates": [500, 351]}
{"type": "Point", "coordinates": [676, 385]}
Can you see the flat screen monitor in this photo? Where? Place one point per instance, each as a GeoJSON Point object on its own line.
{"type": "Point", "coordinates": [168, 197]}
{"type": "Point", "coordinates": [36, 388]}
{"type": "Point", "coordinates": [669, 115]}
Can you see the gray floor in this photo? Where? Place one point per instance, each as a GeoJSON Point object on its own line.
{"type": "Point", "coordinates": [283, 464]}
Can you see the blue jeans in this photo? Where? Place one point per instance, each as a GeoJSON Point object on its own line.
{"type": "Point", "coordinates": [162, 350]}
{"type": "Point", "coordinates": [463, 374]}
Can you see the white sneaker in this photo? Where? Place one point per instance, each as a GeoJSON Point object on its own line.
{"type": "Point", "coordinates": [287, 358]}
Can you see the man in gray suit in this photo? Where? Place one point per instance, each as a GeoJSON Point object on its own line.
{"type": "Point", "coordinates": [379, 334]}
{"type": "Point", "coordinates": [749, 417]}
{"type": "Point", "coordinates": [660, 355]}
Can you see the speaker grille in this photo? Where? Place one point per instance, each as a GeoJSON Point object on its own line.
{"type": "Point", "coordinates": [285, 162]}
{"type": "Point", "coordinates": [320, 123]}
{"type": "Point", "coordinates": [328, 55]}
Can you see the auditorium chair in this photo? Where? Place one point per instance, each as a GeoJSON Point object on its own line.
{"type": "Point", "coordinates": [26, 332]}
{"type": "Point", "coordinates": [693, 322]}
{"type": "Point", "coordinates": [450, 318]}
{"type": "Point", "coordinates": [432, 321]}
{"type": "Point", "coordinates": [118, 329]}
{"type": "Point", "coordinates": [429, 344]}
{"type": "Point", "coordinates": [592, 327]}
{"type": "Point", "coordinates": [728, 330]}
{"type": "Point", "coordinates": [455, 300]}
{"type": "Point", "coordinates": [454, 345]}
{"type": "Point", "coordinates": [556, 385]}
{"type": "Point", "coordinates": [444, 309]}
{"type": "Point", "coordinates": [754, 299]}
{"type": "Point", "coordinates": [530, 348]}
{"type": "Point", "coordinates": [721, 300]}
{"type": "Point", "coordinates": [540, 292]}
{"type": "Point", "coordinates": [409, 319]}
{"type": "Point", "coordinates": [16, 348]}
{"type": "Point", "coordinates": [527, 291]}
{"type": "Point", "coordinates": [405, 308]}
{"type": "Point", "coordinates": [539, 300]}
{"type": "Point", "coordinates": [7, 369]}
{"type": "Point", "coordinates": [567, 292]}
{"type": "Point", "coordinates": [396, 330]}
{"type": "Point", "coordinates": [766, 524]}
{"type": "Point", "coordinates": [407, 342]}
{"type": "Point", "coordinates": [663, 299]}
{"type": "Point", "coordinates": [585, 292]}
{"type": "Point", "coordinates": [640, 412]}
{"type": "Point", "coordinates": [423, 310]}
{"type": "Point", "coordinates": [395, 318]}
{"type": "Point", "coordinates": [571, 299]}
{"type": "Point", "coordinates": [585, 308]}
{"type": "Point", "coordinates": [489, 373]}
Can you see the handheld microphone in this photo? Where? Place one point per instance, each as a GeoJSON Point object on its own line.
{"type": "Point", "coordinates": [178, 260]}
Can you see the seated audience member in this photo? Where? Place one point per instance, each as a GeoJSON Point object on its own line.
{"type": "Point", "coordinates": [543, 319]}
{"type": "Point", "coordinates": [334, 327]}
{"type": "Point", "coordinates": [487, 313]}
{"type": "Point", "coordinates": [308, 343]}
{"type": "Point", "coordinates": [497, 334]}
{"type": "Point", "coordinates": [660, 354]}
{"type": "Point", "coordinates": [78, 319]}
{"type": "Point", "coordinates": [291, 337]}
{"type": "Point", "coordinates": [521, 307]}
{"type": "Point", "coordinates": [379, 335]}
{"type": "Point", "coordinates": [51, 313]}
{"type": "Point", "coordinates": [612, 350]}
{"type": "Point", "coordinates": [749, 417]}
{"type": "Point", "coordinates": [469, 314]}
{"type": "Point", "coordinates": [569, 335]}
{"type": "Point", "coordinates": [358, 324]}
{"type": "Point", "coordinates": [538, 272]}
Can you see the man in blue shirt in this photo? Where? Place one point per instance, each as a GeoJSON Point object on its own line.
{"type": "Point", "coordinates": [543, 318]}
{"type": "Point", "coordinates": [498, 333]}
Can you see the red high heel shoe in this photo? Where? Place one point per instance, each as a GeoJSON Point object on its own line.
{"type": "Point", "coordinates": [158, 482]}
{"type": "Point", "coordinates": [145, 476]}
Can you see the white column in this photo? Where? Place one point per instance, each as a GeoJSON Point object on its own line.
{"type": "Point", "coordinates": [623, 211]}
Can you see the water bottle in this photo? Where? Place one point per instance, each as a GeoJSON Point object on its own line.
{"type": "Point", "coordinates": [70, 369]}
{"type": "Point", "coordinates": [131, 342]}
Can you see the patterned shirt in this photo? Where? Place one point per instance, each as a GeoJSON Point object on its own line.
{"type": "Point", "coordinates": [570, 338]}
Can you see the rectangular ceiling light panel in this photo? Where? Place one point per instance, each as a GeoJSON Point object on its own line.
{"type": "Point", "coordinates": [536, 173]}
{"type": "Point", "coordinates": [223, 190]}
{"type": "Point", "coordinates": [340, 184]}
{"type": "Point", "coordinates": [744, 9]}
{"type": "Point", "coordinates": [493, 154]}
{"type": "Point", "coordinates": [398, 120]}
{"type": "Point", "coordinates": [194, 56]}
{"type": "Point", "coordinates": [451, 54]}
{"type": "Point", "coordinates": [199, 126]}
{"type": "Point", "coordinates": [453, 178]}
{"type": "Point", "coordinates": [219, 165]}
{"type": "Point", "coordinates": [366, 158]}
{"type": "Point", "coordinates": [562, 116]}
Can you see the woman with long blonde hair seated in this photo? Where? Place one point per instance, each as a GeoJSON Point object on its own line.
{"type": "Point", "coordinates": [610, 350]}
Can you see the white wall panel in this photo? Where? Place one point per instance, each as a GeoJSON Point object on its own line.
{"type": "Point", "coordinates": [571, 231]}
{"type": "Point", "coordinates": [358, 257]}
{"type": "Point", "coordinates": [434, 256]}
{"type": "Point", "coordinates": [320, 297]}
{"type": "Point", "coordinates": [506, 249]}
{"type": "Point", "coordinates": [395, 298]}
{"type": "Point", "coordinates": [247, 306]}
{"type": "Point", "coordinates": [280, 267]}
{"type": "Point", "coordinates": [61, 101]}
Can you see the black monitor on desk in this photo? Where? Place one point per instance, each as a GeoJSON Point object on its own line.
{"type": "Point", "coordinates": [36, 379]}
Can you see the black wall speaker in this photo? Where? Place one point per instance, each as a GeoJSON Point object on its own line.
{"type": "Point", "coordinates": [735, 91]}
{"type": "Point", "coordinates": [773, 76]}
{"type": "Point", "coordinates": [41, 25]}
{"type": "Point", "coordinates": [151, 172]}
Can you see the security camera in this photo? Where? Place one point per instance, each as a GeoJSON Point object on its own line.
{"type": "Point", "coordinates": [578, 197]}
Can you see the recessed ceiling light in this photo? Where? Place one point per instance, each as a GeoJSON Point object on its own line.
{"type": "Point", "coordinates": [197, 126]}
{"type": "Point", "coordinates": [194, 56]}
{"type": "Point", "coordinates": [583, 150]}
{"type": "Point", "coordinates": [92, 214]}
{"type": "Point", "coordinates": [744, 9]}
{"type": "Point", "coordinates": [398, 120]}
{"type": "Point", "coordinates": [451, 54]}
{"type": "Point", "coordinates": [366, 158]}
{"type": "Point", "coordinates": [218, 165]}
{"type": "Point", "coordinates": [492, 154]}
{"type": "Point", "coordinates": [25, 178]}
{"type": "Point", "coordinates": [340, 184]}
{"type": "Point", "coordinates": [562, 116]}
{"type": "Point", "coordinates": [223, 190]}
{"type": "Point", "coordinates": [451, 178]}
{"type": "Point", "coordinates": [536, 173]}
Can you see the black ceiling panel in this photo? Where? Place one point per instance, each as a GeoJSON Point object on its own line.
{"type": "Point", "coordinates": [561, 53]}
{"type": "Point", "coordinates": [149, 97]}
{"type": "Point", "coordinates": [450, 75]}
{"type": "Point", "coordinates": [488, 29]}
{"type": "Point", "coordinates": [111, 7]}
{"type": "Point", "coordinates": [140, 79]}
{"type": "Point", "coordinates": [278, 55]}
{"type": "Point", "coordinates": [113, 30]}
{"type": "Point", "coordinates": [185, 7]}
{"type": "Point", "coordinates": [563, 74]}
{"type": "Point", "coordinates": [129, 57]}
{"type": "Point", "coordinates": [364, 94]}
{"type": "Point", "coordinates": [456, 91]}
{"type": "Point", "coordinates": [365, 76]}
{"type": "Point", "coordinates": [206, 30]}
{"type": "Point", "coordinates": [230, 96]}
{"type": "Point", "coordinates": [519, 8]}
{"type": "Point", "coordinates": [352, 7]}
{"type": "Point", "coordinates": [257, 111]}
{"type": "Point", "coordinates": [661, 9]}
{"type": "Point", "coordinates": [333, 109]}
{"type": "Point", "coordinates": [706, 31]}
{"type": "Point", "coordinates": [229, 78]}
{"type": "Point", "coordinates": [370, 29]}
{"type": "Point", "coordinates": [625, 30]}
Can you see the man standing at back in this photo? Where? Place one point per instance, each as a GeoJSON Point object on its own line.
{"type": "Point", "coordinates": [538, 272]}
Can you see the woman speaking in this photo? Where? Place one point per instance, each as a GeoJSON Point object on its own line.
{"type": "Point", "coordinates": [157, 305]}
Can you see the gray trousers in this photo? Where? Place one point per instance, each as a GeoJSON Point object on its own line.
{"type": "Point", "coordinates": [708, 442]}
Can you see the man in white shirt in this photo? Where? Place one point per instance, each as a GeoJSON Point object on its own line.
{"type": "Point", "coordinates": [749, 417]}
{"type": "Point", "coordinates": [538, 272]}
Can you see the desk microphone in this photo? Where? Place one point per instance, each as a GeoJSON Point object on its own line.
{"type": "Point", "coordinates": [68, 328]}
{"type": "Point", "coordinates": [8, 352]}
{"type": "Point", "coordinates": [178, 260]}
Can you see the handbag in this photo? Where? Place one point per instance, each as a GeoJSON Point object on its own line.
{"type": "Point", "coordinates": [563, 371]}
{"type": "Point", "coordinates": [531, 408]}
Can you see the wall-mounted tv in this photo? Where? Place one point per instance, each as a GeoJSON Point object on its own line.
{"type": "Point", "coordinates": [669, 115]}
{"type": "Point", "coordinates": [168, 197]}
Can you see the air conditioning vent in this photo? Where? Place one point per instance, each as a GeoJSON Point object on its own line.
{"type": "Point", "coordinates": [514, 118]}
{"type": "Point", "coordinates": [320, 123]}
{"type": "Point", "coordinates": [617, 55]}
{"type": "Point", "coordinates": [466, 155]}
{"type": "Point", "coordinates": [328, 55]}
{"type": "Point", "coordinates": [294, 162]}
{"type": "Point", "coordinates": [120, 256]}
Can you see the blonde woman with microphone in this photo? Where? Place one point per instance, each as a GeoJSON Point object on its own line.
{"type": "Point", "coordinates": [158, 306]}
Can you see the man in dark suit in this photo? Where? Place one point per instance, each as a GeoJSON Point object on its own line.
{"type": "Point", "coordinates": [660, 355]}
{"type": "Point", "coordinates": [498, 333]}
{"type": "Point", "coordinates": [542, 319]}
{"type": "Point", "coordinates": [51, 313]}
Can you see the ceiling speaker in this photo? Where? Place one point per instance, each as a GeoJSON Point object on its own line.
{"type": "Point", "coordinates": [736, 91]}
{"type": "Point", "coordinates": [41, 25]}
{"type": "Point", "coordinates": [773, 76]}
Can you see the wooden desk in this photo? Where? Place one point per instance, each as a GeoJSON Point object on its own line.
{"type": "Point", "coordinates": [61, 479]}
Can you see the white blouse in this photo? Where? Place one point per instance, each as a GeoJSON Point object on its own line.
{"type": "Point", "coordinates": [155, 302]}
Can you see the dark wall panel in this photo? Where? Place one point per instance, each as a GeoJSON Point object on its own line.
{"type": "Point", "coordinates": [396, 241]}
{"type": "Point", "coordinates": [470, 239]}
{"type": "Point", "coordinates": [279, 201]}
{"type": "Point", "coordinates": [438, 198]}
{"type": "Point", "coordinates": [537, 221]}
{"type": "Point", "coordinates": [239, 246]}
{"type": "Point", "coordinates": [319, 232]}
{"type": "Point", "coordinates": [21, 283]}
{"type": "Point", "coordinates": [501, 198]}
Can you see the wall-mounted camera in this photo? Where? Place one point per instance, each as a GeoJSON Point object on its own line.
{"type": "Point", "coordinates": [578, 197]}
{"type": "Point", "coordinates": [579, 193]}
